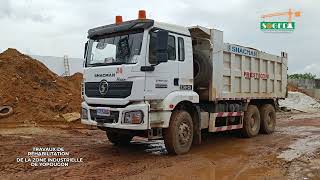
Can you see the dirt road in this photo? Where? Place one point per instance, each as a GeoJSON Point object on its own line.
{"type": "Point", "coordinates": [292, 152]}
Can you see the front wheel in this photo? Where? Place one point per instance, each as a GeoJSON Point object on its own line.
{"type": "Point", "coordinates": [179, 135]}
{"type": "Point", "coordinates": [118, 138]}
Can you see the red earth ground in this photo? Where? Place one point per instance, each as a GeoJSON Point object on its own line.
{"type": "Point", "coordinates": [220, 156]}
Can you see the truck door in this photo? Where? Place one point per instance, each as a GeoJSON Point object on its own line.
{"type": "Point", "coordinates": [164, 78]}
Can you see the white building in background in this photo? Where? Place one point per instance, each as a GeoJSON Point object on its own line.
{"type": "Point", "coordinates": [56, 64]}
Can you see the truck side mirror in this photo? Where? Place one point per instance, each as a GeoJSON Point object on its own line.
{"type": "Point", "coordinates": [162, 46]}
{"type": "Point", "coordinates": [85, 50]}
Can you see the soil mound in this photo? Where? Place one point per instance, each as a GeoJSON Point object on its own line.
{"type": "Point", "coordinates": [75, 80]}
{"type": "Point", "coordinates": [292, 87]}
{"type": "Point", "coordinates": [35, 93]}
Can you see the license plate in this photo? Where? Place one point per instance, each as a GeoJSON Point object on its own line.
{"type": "Point", "coordinates": [103, 112]}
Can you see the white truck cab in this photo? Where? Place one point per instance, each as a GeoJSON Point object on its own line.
{"type": "Point", "coordinates": [158, 80]}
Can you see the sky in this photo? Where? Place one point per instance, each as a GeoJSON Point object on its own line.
{"type": "Point", "coordinates": [59, 27]}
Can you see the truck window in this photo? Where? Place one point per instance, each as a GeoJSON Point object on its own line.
{"type": "Point", "coordinates": [152, 48]}
{"type": "Point", "coordinates": [181, 49]}
{"type": "Point", "coordinates": [119, 48]}
{"type": "Point", "coordinates": [171, 48]}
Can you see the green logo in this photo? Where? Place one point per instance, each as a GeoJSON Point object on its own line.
{"type": "Point", "coordinates": [277, 26]}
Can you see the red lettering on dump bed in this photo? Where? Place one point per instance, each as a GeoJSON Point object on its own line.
{"type": "Point", "coordinates": [255, 75]}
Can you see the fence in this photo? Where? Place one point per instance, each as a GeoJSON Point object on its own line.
{"type": "Point", "coordinates": [311, 87]}
{"type": "Point", "coordinates": [305, 83]}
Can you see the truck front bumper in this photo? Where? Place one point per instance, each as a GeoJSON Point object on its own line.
{"type": "Point", "coordinates": [116, 119]}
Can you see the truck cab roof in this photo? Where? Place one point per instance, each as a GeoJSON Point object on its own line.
{"type": "Point", "coordinates": [137, 24]}
{"type": "Point", "coordinates": [124, 26]}
{"type": "Point", "coordinates": [172, 28]}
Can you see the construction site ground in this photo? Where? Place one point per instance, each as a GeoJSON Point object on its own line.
{"type": "Point", "coordinates": [45, 112]}
{"type": "Point", "coordinates": [292, 152]}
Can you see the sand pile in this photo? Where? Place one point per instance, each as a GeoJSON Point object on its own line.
{"type": "Point", "coordinates": [301, 102]}
{"type": "Point", "coordinates": [35, 93]}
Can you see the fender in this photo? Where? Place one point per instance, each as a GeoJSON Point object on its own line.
{"type": "Point", "coordinates": [162, 110]}
{"type": "Point", "coordinates": [170, 102]}
{"type": "Point", "coordinates": [175, 98]}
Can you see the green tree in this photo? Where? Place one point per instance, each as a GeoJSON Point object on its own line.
{"type": "Point", "coordinates": [302, 76]}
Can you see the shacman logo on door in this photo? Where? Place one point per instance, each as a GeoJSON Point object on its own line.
{"type": "Point", "coordinates": [277, 26]}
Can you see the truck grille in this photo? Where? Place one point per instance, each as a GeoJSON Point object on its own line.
{"type": "Point", "coordinates": [115, 89]}
{"type": "Point", "coordinates": [113, 118]}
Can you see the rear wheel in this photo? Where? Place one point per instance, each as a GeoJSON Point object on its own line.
{"type": "Point", "coordinates": [268, 118]}
{"type": "Point", "coordinates": [118, 138]}
{"type": "Point", "coordinates": [179, 135]}
{"type": "Point", "coordinates": [251, 122]}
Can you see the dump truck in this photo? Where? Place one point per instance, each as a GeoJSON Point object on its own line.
{"type": "Point", "coordinates": [164, 81]}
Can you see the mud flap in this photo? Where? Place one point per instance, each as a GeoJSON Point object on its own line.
{"type": "Point", "coordinates": [197, 127]}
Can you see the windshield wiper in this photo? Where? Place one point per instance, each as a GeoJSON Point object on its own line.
{"type": "Point", "coordinates": [97, 64]}
{"type": "Point", "coordinates": [108, 64]}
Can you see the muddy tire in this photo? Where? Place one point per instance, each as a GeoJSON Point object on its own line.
{"type": "Point", "coordinates": [268, 119]}
{"type": "Point", "coordinates": [179, 135]}
{"type": "Point", "coordinates": [5, 111]}
{"type": "Point", "coordinates": [251, 122]}
{"type": "Point", "coordinates": [118, 138]}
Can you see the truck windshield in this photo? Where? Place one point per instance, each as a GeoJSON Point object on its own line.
{"type": "Point", "coordinates": [114, 49]}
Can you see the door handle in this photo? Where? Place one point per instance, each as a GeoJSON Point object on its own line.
{"type": "Point", "coordinates": [176, 81]}
{"type": "Point", "coordinates": [147, 68]}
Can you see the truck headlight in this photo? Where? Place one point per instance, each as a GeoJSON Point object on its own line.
{"type": "Point", "coordinates": [84, 113]}
{"type": "Point", "coordinates": [133, 117]}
